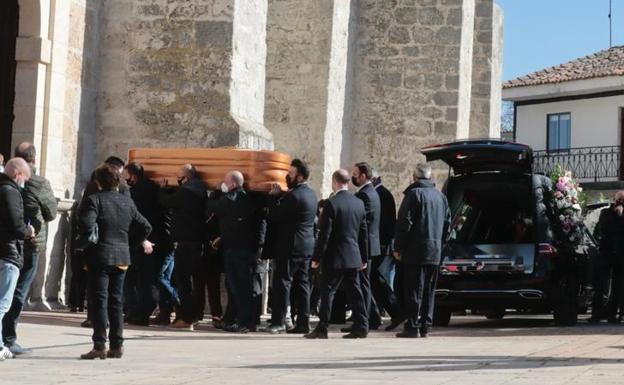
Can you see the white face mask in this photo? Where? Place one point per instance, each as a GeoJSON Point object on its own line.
{"type": "Point", "coordinates": [224, 187]}
{"type": "Point", "coordinates": [1, 168]}
{"type": "Point", "coordinates": [21, 183]}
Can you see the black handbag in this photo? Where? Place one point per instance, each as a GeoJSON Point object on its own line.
{"type": "Point", "coordinates": [88, 239]}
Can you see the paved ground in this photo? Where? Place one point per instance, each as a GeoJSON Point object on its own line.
{"type": "Point", "coordinates": [472, 351]}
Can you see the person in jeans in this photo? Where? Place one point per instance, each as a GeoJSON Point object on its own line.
{"type": "Point", "coordinates": [109, 214]}
{"type": "Point", "coordinates": [187, 204]}
{"type": "Point", "coordinates": [242, 227]}
{"type": "Point", "coordinates": [39, 209]}
{"type": "Point", "coordinates": [13, 232]}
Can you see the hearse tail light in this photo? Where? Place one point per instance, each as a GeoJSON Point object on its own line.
{"type": "Point", "coordinates": [547, 250]}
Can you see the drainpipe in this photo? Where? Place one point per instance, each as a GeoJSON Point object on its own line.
{"type": "Point", "coordinates": [515, 119]}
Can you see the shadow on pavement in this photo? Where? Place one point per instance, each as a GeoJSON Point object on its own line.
{"type": "Point", "coordinates": [441, 363]}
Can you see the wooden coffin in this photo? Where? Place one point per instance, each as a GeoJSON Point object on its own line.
{"type": "Point", "coordinates": [260, 168]}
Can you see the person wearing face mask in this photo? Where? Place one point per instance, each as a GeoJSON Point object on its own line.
{"type": "Point", "coordinates": [361, 174]}
{"type": "Point", "coordinates": [292, 216]}
{"type": "Point", "coordinates": [609, 233]}
{"type": "Point", "coordinates": [242, 227]}
{"type": "Point", "coordinates": [187, 204]}
{"type": "Point", "coordinates": [13, 232]}
{"type": "Point", "coordinates": [40, 207]}
{"type": "Point", "coordinates": [140, 283]}
{"type": "Point", "coordinates": [342, 252]}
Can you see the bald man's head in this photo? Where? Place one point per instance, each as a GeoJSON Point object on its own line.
{"type": "Point", "coordinates": [26, 151]}
{"type": "Point", "coordinates": [18, 170]}
{"type": "Point", "coordinates": [340, 180]}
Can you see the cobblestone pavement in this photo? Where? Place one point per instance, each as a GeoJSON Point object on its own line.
{"type": "Point", "coordinates": [473, 350]}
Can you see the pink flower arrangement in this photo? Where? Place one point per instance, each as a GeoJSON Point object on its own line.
{"type": "Point", "coordinates": [566, 201]}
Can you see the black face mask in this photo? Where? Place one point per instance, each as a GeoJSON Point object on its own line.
{"type": "Point", "coordinates": [290, 182]}
{"type": "Point", "coordinates": [180, 181]}
{"type": "Point", "coordinates": [129, 182]}
{"type": "Point", "coordinates": [355, 181]}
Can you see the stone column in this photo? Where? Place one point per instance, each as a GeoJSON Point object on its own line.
{"type": "Point", "coordinates": [486, 71]}
{"type": "Point", "coordinates": [412, 81]}
{"type": "Point", "coordinates": [307, 52]}
{"type": "Point", "coordinates": [180, 73]}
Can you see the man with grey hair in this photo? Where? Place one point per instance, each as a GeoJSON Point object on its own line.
{"type": "Point", "coordinates": [40, 207]}
{"type": "Point", "coordinates": [242, 227]}
{"type": "Point", "coordinates": [188, 223]}
{"type": "Point", "coordinates": [13, 232]}
{"type": "Point", "coordinates": [422, 225]}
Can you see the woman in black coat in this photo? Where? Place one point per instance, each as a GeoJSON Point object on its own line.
{"type": "Point", "coordinates": [109, 221]}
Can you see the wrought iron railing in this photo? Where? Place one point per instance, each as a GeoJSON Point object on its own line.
{"type": "Point", "coordinates": [586, 163]}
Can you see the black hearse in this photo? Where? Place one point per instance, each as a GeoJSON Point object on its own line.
{"type": "Point", "coordinates": [502, 251]}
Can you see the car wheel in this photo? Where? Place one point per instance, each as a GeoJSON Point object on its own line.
{"type": "Point", "coordinates": [494, 314]}
{"type": "Point", "coordinates": [441, 317]}
{"type": "Point", "coordinates": [565, 308]}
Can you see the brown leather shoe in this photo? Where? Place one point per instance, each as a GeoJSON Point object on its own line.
{"type": "Point", "coordinates": [115, 353]}
{"type": "Point", "coordinates": [93, 354]}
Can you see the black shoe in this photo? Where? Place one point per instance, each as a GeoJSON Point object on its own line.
{"type": "Point", "coordinates": [86, 324]}
{"type": "Point", "coordinates": [347, 329]}
{"type": "Point", "coordinates": [408, 334]}
{"type": "Point", "coordinates": [374, 326]}
{"type": "Point", "coordinates": [593, 320]}
{"type": "Point", "coordinates": [231, 328]}
{"type": "Point", "coordinates": [217, 324]}
{"type": "Point", "coordinates": [423, 333]}
{"type": "Point", "coordinates": [162, 321]}
{"type": "Point", "coordinates": [244, 330]}
{"type": "Point", "coordinates": [299, 330]}
{"type": "Point", "coordinates": [115, 352]}
{"type": "Point", "coordinates": [355, 334]}
{"type": "Point", "coordinates": [316, 334]}
{"type": "Point", "coordinates": [93, 354]}
{"type": "Point", "coordinates": [17, 350]}
{"type": "Point", "coordinates": [395, 323]}
{"type": "Point", "coordinates": [276, 329]}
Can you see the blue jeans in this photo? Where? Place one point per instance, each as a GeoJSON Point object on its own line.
{"type": "Point", "coordinates": [26, 276]}
{"type": "Point", "coordinates": [168, 294]}
{"type": "Point", "coordinates": [9, 273]}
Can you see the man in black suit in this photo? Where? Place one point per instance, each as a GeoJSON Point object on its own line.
{"type": "Point", "coordinates": [187, 204]}
{"type": "Point", "coordinates": [292, 217]}
{"type": "Point", "coordinates": [422, 225]}
{"type": "Point", "coordinates": [382, 283]}
{"type": "Point", "coordinates": [342, 251]}
{"type": "Point", "coordinates": [361, 175]}
{"type": "Point", "coordinates": [141, 277]}
{"type": "Point", "coordinates": [242, 227]}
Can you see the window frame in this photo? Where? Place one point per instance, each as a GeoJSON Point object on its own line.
{"type": "Point", "coordinates": [548, 149]}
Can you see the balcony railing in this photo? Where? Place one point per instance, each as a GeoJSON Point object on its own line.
{"type": "Point", "coordinates": [586, 163]}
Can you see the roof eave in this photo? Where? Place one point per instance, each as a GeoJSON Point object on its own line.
{"type": "Point", "coordinates": [567, 88]}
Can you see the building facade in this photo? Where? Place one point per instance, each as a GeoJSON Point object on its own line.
{"type": "Point", "coordinates": [331, 81]}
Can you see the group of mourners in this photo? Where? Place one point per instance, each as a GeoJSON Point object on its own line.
{"type": "Point", "coordinates": [146, 253]}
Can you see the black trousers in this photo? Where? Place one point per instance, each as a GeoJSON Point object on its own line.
{"type": "Point", "coordinates": [601, 280]}
{"type": "Point", "coordinates": [106, 305]}
{"type": "Point", "coordinates": [291, 274]}
{"type": "Point", "coordinates": [383, 292]}
{"type": "Point", "coordinates": [616, 302]}
{"type": "Point", "coordinates": [372, 311]}
{"type": "Point", "coordinates": [207, 278]}
{"type": "Point", "coordinates": [186, 253]}
{"type": "Point", "coordinates": [140, 287]}
{"type": "Point", "coordinates": [238, 264]}
{"type": "Point", "coordinates": [78, 282]}
{"type": "Point", "coordinates": [419, 283]}
{"type": "Point", "coordinates": [330, 281]}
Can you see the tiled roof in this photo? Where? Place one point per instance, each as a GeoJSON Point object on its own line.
{"type": "Point", "coordinates": [609, 62]}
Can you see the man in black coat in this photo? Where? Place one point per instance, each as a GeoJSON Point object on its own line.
{"type": "Point", "coordinates": [13, 232]}
{"type": "Point", "coordinates": [141, 278]}
{"type": "Point", "coordinates": [361, 175]}
{"type": "Point", "coordinates": [187, 204]}
{"type": "Point", "coordinates": [382, 283]}
{"type": "Point", "coordinates": [342, 252]}
{"type": "Point", "coordinates": [39, 208]}
{"type": "Point", "coordinates": [422, 225]}
{"type": "Point", "coordinates": [292, 217]}
{"type": "Point", "coordinates": [242, 227]}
